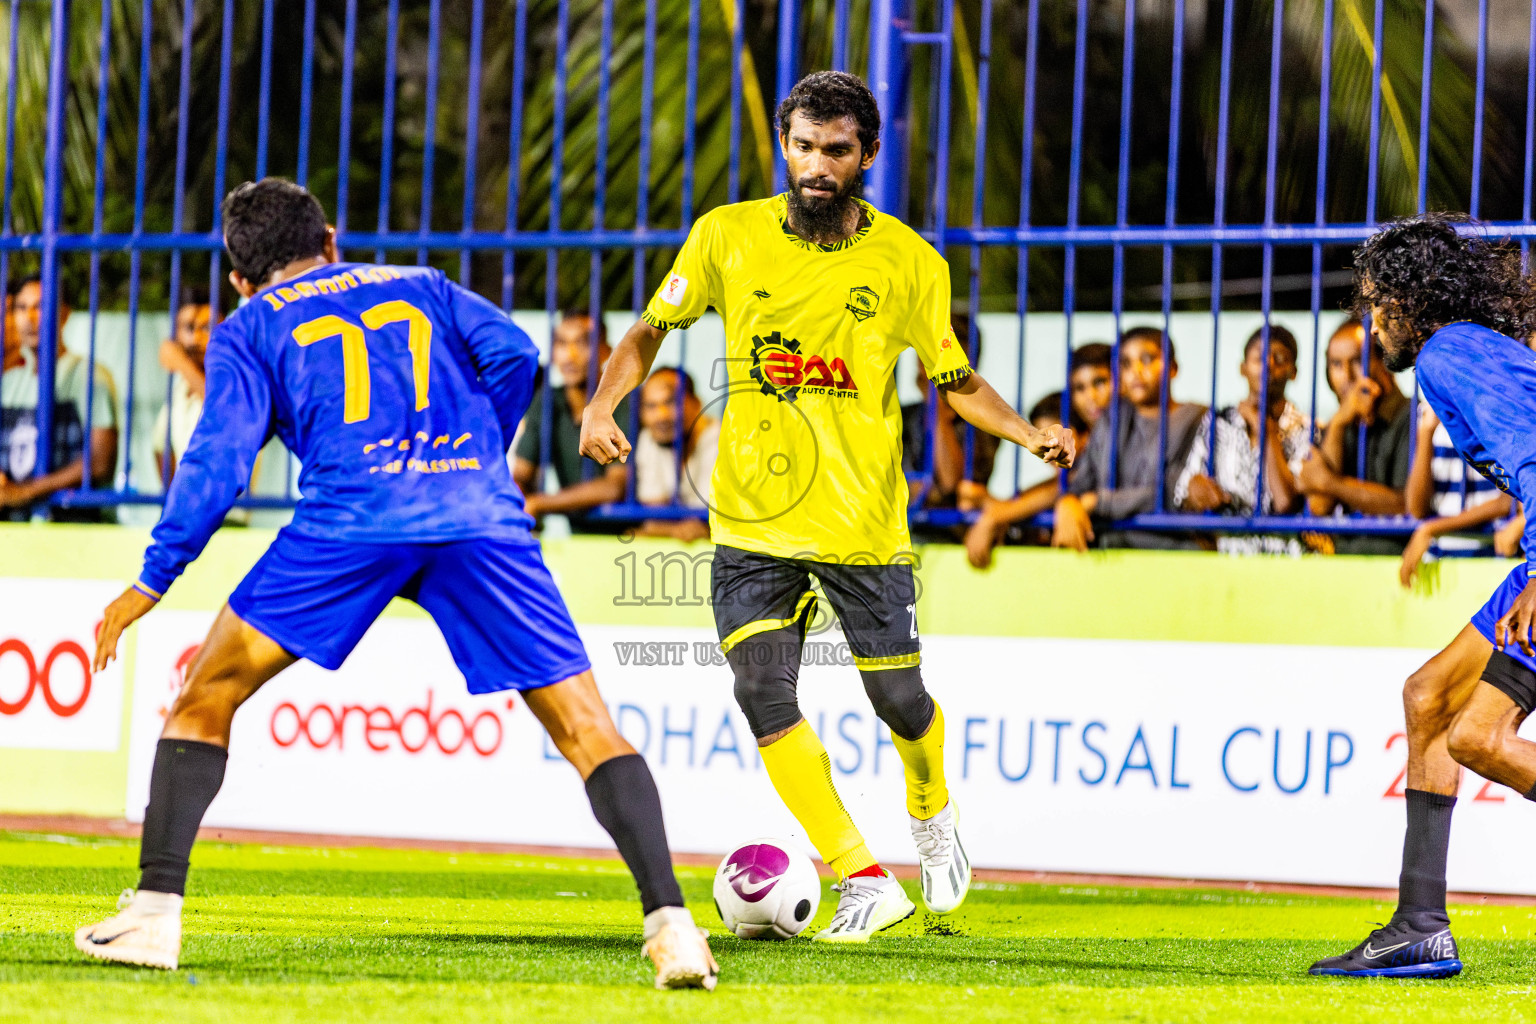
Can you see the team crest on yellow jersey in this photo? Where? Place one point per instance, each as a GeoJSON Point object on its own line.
{"type": "Point", "coordinates": [781, 369]}
{"type": "Point", "coordinates": [863, 303]}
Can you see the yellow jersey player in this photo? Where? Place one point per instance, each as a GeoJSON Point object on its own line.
{"type": "Point", "coordinates": [820, 293]}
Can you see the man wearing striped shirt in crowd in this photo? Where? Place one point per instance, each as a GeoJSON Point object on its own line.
{"type": "Point", "coordinates": [1228, 482]}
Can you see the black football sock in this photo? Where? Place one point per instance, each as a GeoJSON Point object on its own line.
{"type": "Point", "coordinates": [1421, 887]}
{"type": "Point", "coordinates": [186, 778]}
{"type": "Point", "coordinates": [1530, 794]}
{"type": "Point", "coordinates": [626, 803]}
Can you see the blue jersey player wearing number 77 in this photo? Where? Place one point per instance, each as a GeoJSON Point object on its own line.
{"type": "Point", "coordinates": [399, 392]}
{"type": "Point", "coordinates": [1459, 307]}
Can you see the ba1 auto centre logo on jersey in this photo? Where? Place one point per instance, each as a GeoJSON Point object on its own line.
{"type": "Point", "coordinates": [782, 368]}
{"type": "Point", "coordinates": [49, 700]}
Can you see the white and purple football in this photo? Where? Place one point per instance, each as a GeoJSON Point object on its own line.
{"type": "Point", "coordinates": [767, 889]}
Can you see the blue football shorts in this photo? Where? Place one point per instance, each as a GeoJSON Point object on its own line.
{"type": "Point", "coordinates": [495, 601]}
{"type": "Point", "coordinates": [1510, 670]}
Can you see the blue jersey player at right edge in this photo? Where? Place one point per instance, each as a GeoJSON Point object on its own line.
{"type": "Point", "coordinates": [1443, 297]}
{"type": "Point", "coordinates": [399, 392]}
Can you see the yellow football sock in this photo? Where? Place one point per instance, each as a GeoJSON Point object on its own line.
{"type": "Point", "coordinates": [802, 773]}
{"type": "Point", "coordinates": [923, 759]}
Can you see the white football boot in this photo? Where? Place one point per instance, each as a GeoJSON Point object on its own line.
{"type": "Point", "coordinates": [678, 948]}
{"type": "Point", "coordinates": [945, 869]}
{"type": "Point", "coordinates": [146, 931]}
{"type": "Point", "coordinates": [867, 905]}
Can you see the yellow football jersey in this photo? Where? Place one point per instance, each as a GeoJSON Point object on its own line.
{"type": "Point", "coordinates": [810, 440]}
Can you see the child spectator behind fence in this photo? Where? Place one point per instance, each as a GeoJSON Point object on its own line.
{"type": "Point", "coordinates": [182, 356]}
{"type": "Point", "coordinates": [1092, 498]}
{"type": "Point", "coordinates": [1370, 399]}
{"type": "Point", "coordinates": [658, 480]}
{"type": "Point", "coordinates": [1009, 520]}
{"type": "Point", "coordinates": [1233, 476]}
{"type": "Point", "coordinates": [1091, 384]}
{"type": "Point", "coordinates": [1449, 495]}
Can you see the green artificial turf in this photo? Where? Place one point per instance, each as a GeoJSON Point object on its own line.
{"type": "Point", "coordinates": [304, 934]}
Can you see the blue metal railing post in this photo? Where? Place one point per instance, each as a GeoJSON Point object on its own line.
{"type": "Point", "coordinates": [888, 69]}
{"type": "Point", "coordinates": [1122, 219]}
{"type": "Point", "coordinates": [94, 299]}
{"type": "Point", "coordinates": [179, 191]}
{"type": "Point", "coordinates": [788, 71]}
{"type": "Point", "coordinates": [53, 208]}
{"type": "Point", "coordinates": [1026, 201]}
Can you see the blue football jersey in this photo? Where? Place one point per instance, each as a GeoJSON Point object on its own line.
{"type": "Point", "coordinates": [1482, 385]}
{"type": "Point", "coordinates": [398, 391]}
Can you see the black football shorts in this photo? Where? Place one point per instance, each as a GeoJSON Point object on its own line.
{"type": "Point", "coordinates": [876, 604]}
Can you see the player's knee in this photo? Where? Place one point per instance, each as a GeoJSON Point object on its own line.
{"type": "Point", "coordinates": [1473, 744]}
{"type": "Point", "coordinates": [765, 692]}
{"type": "Point", "coordinates": [901, 700]}
{"type": "Point", "coordinates": [202, 711]}
{"type": "Point", "coordinates": [581, 725]}
{"type": "Point", "coordinates": [1424, 701]}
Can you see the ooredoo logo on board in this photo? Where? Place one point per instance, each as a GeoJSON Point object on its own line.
{"type": "Point", "coordinates": [380, 728]}
{"type": "Point", "coordinates": [48, 697]}
{"type": "Point", "coordinates": [40, 680]}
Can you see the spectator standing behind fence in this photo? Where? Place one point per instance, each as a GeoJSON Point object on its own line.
{"type": "Point", "coordinates": [1091, 498]}
{"type": "Point", "coordinates": [1450, 496]}
{"type": "Point", "coordinates": [10, 345]}
{"type": "Point", "coordinates": [25, 486]}
{"type": "Point", "coordinates": [658, 480]}
{"type": "Point", "coordinates": [1227, 483]}
{"type": "Point", "coordinates": [1091, 384]}
{"type": "Point", "coordinates": [951, 486]}
{"type": "Point", "coordinates": [576, 341]}
{"type": "Point", "coordinates": [1372, 399]}
{"type": "Point", "coordinates": [182, 356]}
{"type": "Point", "coordinates": [1008, 520]}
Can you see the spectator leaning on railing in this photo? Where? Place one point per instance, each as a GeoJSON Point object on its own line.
{"type": "Point", "coordinates": [1007, 520]}
{"type": "Point", "coordinates": [1449, 495]}
{"type": "Point", "coordinates": [1234, 471]}
{"type": "Point", "coordinates": [1091, 385]}
{"type": "Point", "coordinates": [182, 356]}
{"type": "Point", "coordinates": [10, 344]}
{"type": "Point", "coordinates": [24, 485]}
{"type": "Point", "coordinates": [1091, 498]}
{"type": "Point", "coordinates": [575, 344]}
{"type": "Point", "coordinates": [1092, 382]}
{"type": "Point", "coordinates": [658, 480]}
{"type": "Point", "coordinates": [1373, 400]}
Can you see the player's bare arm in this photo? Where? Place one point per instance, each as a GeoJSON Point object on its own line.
{"type": "Point", "coordinates": [129, 606]}
{"type": "Point", "coordinates": [979, 404]}
{"type": "Point", "coordinates": [602, 440]}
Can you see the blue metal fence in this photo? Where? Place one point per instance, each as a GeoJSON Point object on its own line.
{"type": "Point", "coordinates": [1045, 198]}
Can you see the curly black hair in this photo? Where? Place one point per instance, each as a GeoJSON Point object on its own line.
{"type": "Point", "coordinates": [1437, 268]}
{"type": "Point", "coordinates": [270, 223]}
{"type": "Point", "coordinates": [828, 95]}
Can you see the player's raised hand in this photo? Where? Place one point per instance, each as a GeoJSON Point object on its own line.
{"type": "Point", "coordinates": [1514, 626]}
{"type": "Point", "coordinates": [601, 439]}
{"type": "Point", "coordinates": [1055, 446]}
{"type": "Point", "coordinates": [127, 609]}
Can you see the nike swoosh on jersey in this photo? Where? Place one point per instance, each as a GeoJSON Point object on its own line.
{"type": "Point", "coordinates": [1371, 953]}
{"type": "Point", "coordinates": [113, 938]}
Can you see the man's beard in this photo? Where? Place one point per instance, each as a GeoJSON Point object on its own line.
{"type": "Point", "coordinates": [1404, 356]}
{"type": "Point", "coordinates": [824, 218]}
